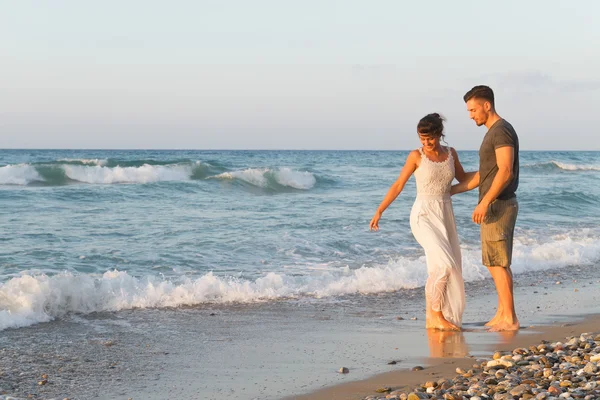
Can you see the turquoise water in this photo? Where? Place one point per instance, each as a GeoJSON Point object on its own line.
{"type": "Point", "coordinates": [87, 230]}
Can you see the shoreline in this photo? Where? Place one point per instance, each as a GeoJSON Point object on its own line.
{"type": "Point", "coordinates": [445, 368]}
{"type": "Point", "coordinates": [271, 351]}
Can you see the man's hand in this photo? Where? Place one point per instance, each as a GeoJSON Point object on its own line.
{"type": "Point", "coordinates": [504, 159]}
{"type": "Point", "coordinates": [480, 212]}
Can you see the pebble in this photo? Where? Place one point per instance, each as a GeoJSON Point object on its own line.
{"type": "Point", "coordinates": [568, 370]}
{"type": "Point", "coordinates": [343, 370]}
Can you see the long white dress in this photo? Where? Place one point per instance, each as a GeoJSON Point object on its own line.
{"type": "Point", "coordinates": [433, 225]}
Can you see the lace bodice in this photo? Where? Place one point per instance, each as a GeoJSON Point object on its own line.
{"type": "Point", "coordinates": [434, 178]}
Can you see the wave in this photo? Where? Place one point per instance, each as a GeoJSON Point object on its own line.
{"type": "Point", "coordinates": [557, 165]}
{"type": "Point", "coordinates": [571, 200]}
{"type": "Point", "coordinates": [144, 174]}
{"type": "Point", "coordinates": [96, 171]}
{"type": "Point", "coordinates": [115, 162]}
{"type": "Point", "coordinates": [33, 298]}
{"type": "Point", "coordinates": [83, 161]}
{"type": "Point", "coordinates": [61, 174]}
{"type": "Point", "coordinates": [19, 174]}
{"type": "Point", "coordinates": [268, 178]}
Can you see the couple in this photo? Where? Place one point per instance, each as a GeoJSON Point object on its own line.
{"type": "Point", "coordinates": [432, 217]}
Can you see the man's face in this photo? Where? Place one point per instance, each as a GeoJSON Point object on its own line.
{"type": "Point", "coordinates": [479, 110]}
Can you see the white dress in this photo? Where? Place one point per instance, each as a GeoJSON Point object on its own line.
{"type": "Point", "coordinates": [433, 225]}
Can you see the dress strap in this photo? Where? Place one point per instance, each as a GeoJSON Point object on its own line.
{"type": "Point", "coordinates": [421, 151]}
{"type": "Point", "coordinates": [449, 150]}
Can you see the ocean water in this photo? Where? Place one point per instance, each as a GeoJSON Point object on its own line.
{"type": "Point", "coordinates": [85, 231]}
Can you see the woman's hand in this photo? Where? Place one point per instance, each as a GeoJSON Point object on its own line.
{"type": "Point", "coordinates": [374, 225]}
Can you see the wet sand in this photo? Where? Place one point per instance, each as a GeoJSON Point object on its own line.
{"type": "Point", "coordinates": [445, 367]}
{"type": "Point", "coordinates": [287, 349]}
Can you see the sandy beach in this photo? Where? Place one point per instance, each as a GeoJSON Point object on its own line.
{"type": "Point", "coordinates": [280, 350]}
{"type": "Point", "coordinates": [446, 367]}
{"type": "Point", "coordinates": [576, 314]}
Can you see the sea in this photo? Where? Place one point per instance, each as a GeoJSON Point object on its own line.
{"type": "Point", "coordinates": [89, 231]}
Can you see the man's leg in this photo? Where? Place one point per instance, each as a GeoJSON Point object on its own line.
{"type": "Point", "coordinates": [497, 242]}
{"type": "Point", "coordinates": [499, 312]}
{"type": "Point", "coordinates": [500, 308]}
{"type": "Point", "coordinates": [506, 318]}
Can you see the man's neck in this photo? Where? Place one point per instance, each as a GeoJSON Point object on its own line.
{"type": "Point", "coordinates": [492, 120]}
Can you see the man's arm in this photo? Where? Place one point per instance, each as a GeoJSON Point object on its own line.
{"type": "Point", "coordinates": [504, 158]}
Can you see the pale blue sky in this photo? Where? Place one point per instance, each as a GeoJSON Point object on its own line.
{"type": "Point", "coordinates": [293, 74]}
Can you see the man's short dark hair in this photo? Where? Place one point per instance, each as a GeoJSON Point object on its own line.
{"type": "Point", "coordinates": [480, 92]}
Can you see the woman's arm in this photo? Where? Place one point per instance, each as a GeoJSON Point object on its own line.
{"type": "Point", "coordinates": [466, 180]}
{"type": "Point", "coordinates": [471, 182]}
{"type": "Point", "coordinates": [459, 172]}
{"type": "Point", "coordinates": [410, 166]}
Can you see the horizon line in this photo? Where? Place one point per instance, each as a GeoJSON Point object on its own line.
{"type": "Point", "coordinates": [253, 149]}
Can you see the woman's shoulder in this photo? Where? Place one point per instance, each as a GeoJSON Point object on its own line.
{"type": "Point", "coordinates": [414, 157]}
{"type": "Point", "coordinates": [416, 153]}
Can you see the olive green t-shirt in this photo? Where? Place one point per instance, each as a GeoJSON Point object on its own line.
{"type": "Point", "coordinates": [499, 135]}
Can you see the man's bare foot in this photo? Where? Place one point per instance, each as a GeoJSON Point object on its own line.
{"type": "Point", "coordinates": [502, 326]}
{"type": "Point", "coordinates": [496, 318]}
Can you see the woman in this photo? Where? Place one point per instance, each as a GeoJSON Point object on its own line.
{"type": "Point", "coordinates": [432, 222]}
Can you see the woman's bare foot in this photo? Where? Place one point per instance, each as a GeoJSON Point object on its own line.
{"type": "Point", "coordinates": [443, 325]}
{"type": "Point", "coordinates": [437, 321]}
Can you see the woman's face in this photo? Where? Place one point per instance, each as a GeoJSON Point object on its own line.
{"type": "Point", "coordinates": [429, 142]}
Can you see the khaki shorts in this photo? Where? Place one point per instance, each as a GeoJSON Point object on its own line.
{"type": "Point", "coordinates": [497, 232]}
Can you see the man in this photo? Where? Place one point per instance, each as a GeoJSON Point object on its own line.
{"type": "Point", "coordinates": [496, 212]}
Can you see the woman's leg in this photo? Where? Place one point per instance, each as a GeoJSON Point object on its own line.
{"type": "Point", "coordinates": [429, 228]}
{"type": "Point", "coordinates": [435, 292]}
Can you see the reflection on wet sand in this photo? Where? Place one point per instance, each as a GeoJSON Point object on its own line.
{"type": "Point", "coordinates": [506, 336]}
{"type": "Point", "coordinates": [447, 344]}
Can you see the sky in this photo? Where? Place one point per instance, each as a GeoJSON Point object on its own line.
{"type": "Point", "coordinates": [294, 74]}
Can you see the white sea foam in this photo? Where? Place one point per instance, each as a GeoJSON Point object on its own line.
{"type": "Point", "coordinates": [35, 297]}
{"type": "Point", "coordinates": [252, 176]}
{"type": "Point", "coordinates": [564, 166]}
{"type": "Point", "coordinates": [86, 161]}
{"type": "Point", "coordinates": [143, 174]}
{"type": "Point", "coordinates": [18, 174]}
{"type": "Point", "coordinates": [283, 176]}
{"type": "Point", "coordinates": [576, 167]}
{"type": "Point", "coordinates": [295, 179]}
